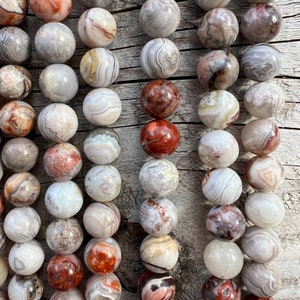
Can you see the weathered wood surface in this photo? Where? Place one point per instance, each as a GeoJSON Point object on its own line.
{"type": "Point", "coordinates": [190, 233]}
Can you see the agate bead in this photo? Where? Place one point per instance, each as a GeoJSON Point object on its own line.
{"type": "Point", "coordinates": [55, 42]}
{"type": "Point", "coordinates": [64, 236]}
{"type": "Point", "coordinates": [15, 45]}
{"type": "Point", "coordinates": [220, 289]}
{"type": "Point", "coordinates": [64, 272]}
{"type": "Point", "coordinates": [262, 280]}
{"type": "Point", "coordinates": [13, 12]}
{"type": "Point", "coordinates": [97, 27]}
{"type": "Point", "coordinates": [218, 109]}
{"type": "Point", "coordinates": [261, 23]}
{"type": "Point", "coordinates": [102, 256]}
{"type": "Point", "coordinates": [159, 98]}
{"type": "Point", "coordinates": [17, 118]}
{"type": "Point", "coordinates": [3, 270]}
{"type": "Point", "coordinates": [264, 209]}
{"type": "Point", "coordinates": [159, 18]}
{"type": "Point", "coordinates": [159, 138]}
{"type": "Point", "coordinates": [264, 173]}
{"type": "Point", "coordinates": [218, 28]}
{"type": "Point", "coordinates": [159, 177]}
{"type": "Point", "coordinates": [73, 294]}
{"type": "Point", "coordinates": [20, 154]}
{"type": "Point", "coordinates": [55, 131]}
{"type": "Point", "coordinates": [218, 69]}
{"type": "Point", "coordinates": [159, 254]}
{"type": "Point", "coordinates": [62, 161]}
{"type": "Point", "coordinates": [160, 58]}
{"type": "Point", "coordinates": [101, 220]}
{"type": "Point", "coordinates": [51, 10]}
{"type": "Point", "coordinates": [106, 286]}
{"type": "Point", "coordinates": [99, 67]}
{"type": "Point", "coordinates": [210, 4]}
{"type": "Point", "coordinates": [96, 3]}
{"type": "Point", "coordinates": [223, 259]}
{"type": "Point", "coordinates": [102, 107]}
{"type": "Point", "coordinates": [103, 183]}
{"type": "Point", "coordinates": [58, 83]}
{"type": "Point", "coordinates": [261, 62]}
{"type": "Point", "coordinates": [158, 216]}
{"type": "Point", "coordinates": [156, 286]}
{"type": "Point", "coordinates": [261, 244]}
{"type": "Point", "coordinates": [63, 199]}
{"type": "Point", "coordinates": [218, 148]}
{"type": "Point", "coordinates": [102, 146]}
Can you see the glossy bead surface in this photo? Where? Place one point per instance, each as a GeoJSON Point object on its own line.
{"type": "Point", "coordinates": [102, 107]}
{"type": "Point", "coordinates": [226, 222]}
{"type": "Point", "coordinates": [102, 146]}
{"type": "Point", "coordinates": [223, 259]}
{"type": "Point", "coordinates": [103, 183]}
{"type": "Point", "coordinates": [103, 287]}
{"type": "Point", "coordinates": [218, 109]}
{"type": "Point", "coordinates": [159, 98]}
{"type": "Point", "coordinates": [13, 12]}
{"type": "Point", "coordinates": [160, 58]}
{"type": "Point", "coordinates": [159, 177]}
{"type": "Point", "coordinates": [64, 236]}
{"type": "Point", "coordinates": [153, 286]}
{"type": "Point", "coordinates": [159, 138]}
{"type": "Point", "coordinates": [210, 4]}
{"type": "Point", "coordinates": [73, 294]}
{"type": "Point", "coordinates": [261, 62]}
{"type": "Point", "coordinates": [97, 27]}
{"type": "Point", "coordinates": [264, 173]}
{"type": "Point", "coordinates": [261, 244]}
{"type": "Point", "coordinates": [58, 83]}
{"type": "Point", "coordinates": [264, 209]}
{"type": "Point", "coordinates": [17, 118]}
{"type": "Point", "coordinates": [159, 254]}
{"type": "Point", "coordinates": [20, 154]}
{"type": "Point", "coordinates": [15, 82]}
{"type": "Point", "coordinates": [64, 272]}
{"type": "Point", "coordinates": [55, 131]}
{"type": "Point", "coordinates": [101, 220]}
{"type": "Point", "coordinates": [102, 256]}
{"type": "Point", "coordinates": [218, 69]}
{"type": "Point", "coordinates": [3, 270]}
{"type": "Point", "coordinates": [63, 199]}
{"type": "Point", "coordinates": [15, 45]}
{"type": "Point", "coordinates": [158, 216]}
{"type": "Point", "coordinates": [220, 289]}
{"type": "Point", "coordinates": [99, 67]}
{"type": "Point", "coordinates": [159, 18]}
{"type": "Point", "coordinates": [26, 258]}
{"type": "Point", "coordinates": [261, 23]}
{"type": "Point", "coordinates": [262, 280]}
{"type": "Point", "coordinates": [55, 42]}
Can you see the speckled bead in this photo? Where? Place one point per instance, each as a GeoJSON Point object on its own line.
{"type": "Point", "coordinates": [4, 270]}
{"type": "Point", "coordinates": [159, 18]}
{"type": "Point", "coordinates": [13, 13]}
{"type": "Point", "coordinates": [160, 58]}
{"type": "Point", "coordinates": [210, 4]}
{"type": "Point", "coordinates": [73, 294]}
{"type": "Point", "coordinates": [261, 62]}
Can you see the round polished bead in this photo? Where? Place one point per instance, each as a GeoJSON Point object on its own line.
{"type": "Point", "coordinates": [13, 12]}
{"type": "Point", "coordinates": [218, 149]}
{"type": "Point", "coordinates": [264, 209]}
{"type": "Point", "coordinates": [264, 173]}
{"type": "Point", "coordinates": [102, 146]}
{"type": "Point", "coordinates": [158, 216]}
{"type": "Point", "coordinates": [73, 294]}
{"type": "Point", "coordinates": [159, 98]}
{"type": "Point", "coordinates": [261, 62]}
{"type": "Point", "coordinates": [218, 109]}
{"type": "Point", "coordinates": [160, 58]}
{"type": "Point", "coordinates": [262, 280]}
{"type": "Point", "coordinates": [223, 259]}
{"type": "Point", "coordinates": [159, 254]}
{"type": "Point", "coordinates": [3, 270]}
{"type": "Point", "coordinates": [159, 177]}
{"type": "Point", "coordinates": [102, 256]}
{"type": "Point", "coordinates": [102, 107]}
{"type": "Point", "coordinates": [159, 138]}
{"type": "Point", "coordinates": [261, 23]}
{"type": "Point", "coordinates": [159, 18]}
{"type": "Point", "coordinates": [210, 4]}
{"type": "Point", "coordinates": [218, 69]}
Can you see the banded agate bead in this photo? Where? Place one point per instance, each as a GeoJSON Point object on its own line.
{"type": "Point", "coordinates": [73, 294]}
{"type": "Point", "coordinates": [13, 13]}
{"type": "Point", "coordinates": [210, 4]}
